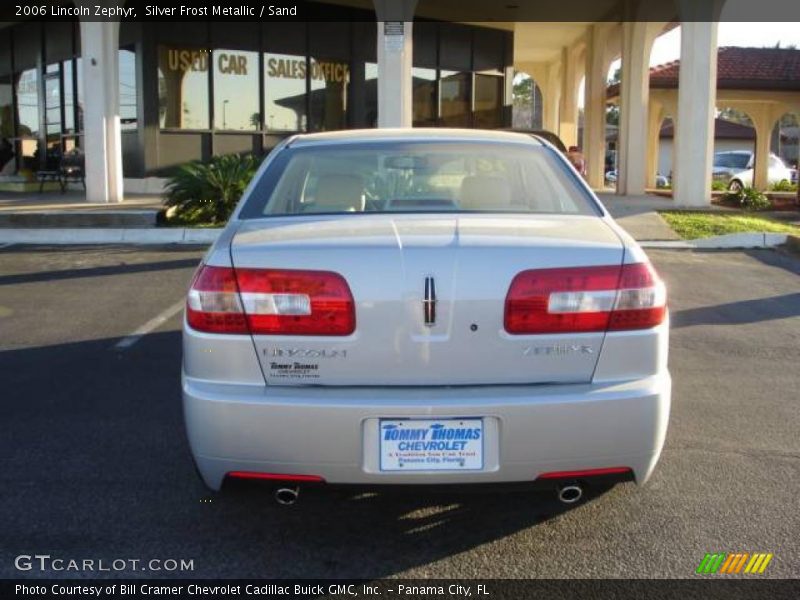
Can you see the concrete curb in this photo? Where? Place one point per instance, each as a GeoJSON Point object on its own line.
{"type": "Point", "coordinates": [79, 236]}
{"type": "Point", "coordinates": [62, 236]}
{"type": "Point", "coordinates": [723, 242]}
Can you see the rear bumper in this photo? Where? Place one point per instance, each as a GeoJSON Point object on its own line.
{"type": "Point", "coordinates": [332, 432]}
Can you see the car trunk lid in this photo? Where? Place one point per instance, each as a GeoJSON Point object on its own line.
{"type": "Point", "coordinates": [429, 293]}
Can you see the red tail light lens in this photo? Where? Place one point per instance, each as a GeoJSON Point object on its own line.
{"type": "Point", "coordinates": [282, 302]}
{"type": "Point", "coordinates": [270, 301]}
{"type": "Point", "coordinates": [213, 303]}
{"type": "Point", "coordinates": [585, 299]}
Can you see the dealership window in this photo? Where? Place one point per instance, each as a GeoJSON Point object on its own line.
{"type": "Point", "coordinates": [236, 105]}
{"type": "Point", "coordinates": [7, 164]}
{"type": "Point", "coordinates": [127, 89]}
{"type": "Point", "coordinates": [68, 95]}
{"type": "Point", "coordinates": [454, 98]}
{"type": "Point", "coordinates": [424, 97]}
{"type": "Point", "coordinates": [183, 88]}
{"type": "Point", "coordinates": [52, 114]}
{"type": "Point", "coordinates": [489, 94]}
{"type": "Point", "coordinates": [285, 92]}
{"type": "Point", "coordinates": [371, 94]}
{"type": "Point", "coordinates": [28, 103]}
{"type": "Point", "coordinates": [79, 91]}
{"type": "Point", "coordinates": [6, 116]}
{"type": "Point", "coordinates": [329, 85]}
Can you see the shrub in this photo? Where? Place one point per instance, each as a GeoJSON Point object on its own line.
{"type": "Point", "coordinates": [207, 193]}
{"type": "Point", "coordinates": [749, 199]}
{"type": "Point", "coordinates": [718, 186]}
{"type": "Point", "coordinates": [783, 186]}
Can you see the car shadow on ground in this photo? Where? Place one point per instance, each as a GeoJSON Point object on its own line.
{"type": "Point", "coordinates": [333, 533]}
{"type": "Point", "coordinates": [97, 465]}
{"type": "Point", "coordinates": [739, 313]}
{"type": "Point", "coordinates": [99, 271]}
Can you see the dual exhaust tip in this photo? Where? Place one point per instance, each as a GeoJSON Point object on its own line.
{"type": "Point", "coordinates": [570, 493]}
{"type": "Point", "coordinates": [286, 496]}
{"type": "Point", "coordinates": [567, 494]}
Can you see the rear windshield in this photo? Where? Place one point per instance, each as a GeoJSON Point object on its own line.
{"type": "Point", "coordinates": [418, 177]}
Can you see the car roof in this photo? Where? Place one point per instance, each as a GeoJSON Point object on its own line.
{"type": "Point", "coordinates": [417, 134]}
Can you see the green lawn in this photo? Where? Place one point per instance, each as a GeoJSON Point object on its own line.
{"type": "Point", "coordinates": [692, 225]}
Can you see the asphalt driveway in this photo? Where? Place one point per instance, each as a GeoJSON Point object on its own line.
{"type": "Point", "coordinates": [95, 462]}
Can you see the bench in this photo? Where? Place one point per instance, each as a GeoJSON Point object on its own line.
{"type": "Point", "coordinates": [67, 168]}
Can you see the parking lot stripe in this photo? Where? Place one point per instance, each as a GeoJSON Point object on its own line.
{"type": "Point", "coordinates": [152, 324]}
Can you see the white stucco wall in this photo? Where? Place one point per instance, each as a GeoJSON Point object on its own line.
{"type": "Point", "coordinates": [665, 151]}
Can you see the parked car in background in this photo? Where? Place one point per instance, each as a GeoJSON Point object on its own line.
{"type": "Point", "coordinates": [736, 168]}
{"type": "Point", "coordinates": [406, 307]}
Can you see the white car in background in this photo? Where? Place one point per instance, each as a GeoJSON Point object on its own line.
{"type": "Point", "coordinates": [406, 307]}
{"type": "Point", "coordinates": [736, 168]}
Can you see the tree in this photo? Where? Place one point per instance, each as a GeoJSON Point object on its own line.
{"type": "Point", "coordinates": [735, 116]}
{"type": "Point", "coordinates": [522, 97]}
{"type": "Point", "coordinates": [523, 90]}
{"type": "Point", "coordinates": [612, 110]}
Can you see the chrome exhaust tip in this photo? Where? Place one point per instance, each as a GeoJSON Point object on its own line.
{"type": "Point", "coordinates": [570, 494]}
{"type": "Point", "coordinates": [287, 496]}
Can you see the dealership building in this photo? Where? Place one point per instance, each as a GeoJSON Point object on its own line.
{"type": "Point", "coordinates": [191, 90]}
{"type": "Point", "coordinates": [140, 98]}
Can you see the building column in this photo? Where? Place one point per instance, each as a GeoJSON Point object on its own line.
{"type": "Point", "coordinates": [655, 118]}
{"type": "Point", "coordinates": [594, 109]}
{"type": "Point", "coordinates": [697, 93]}
{"type": "Point", "coordinates": [395, 60]}
{"type": "Point", "coordinates": [568, 113]}
{"type": "Point", "coordinates": [763, 122]}
{"type": "Point", "coordinates": [102, 139]}
{"type": "Point", "coordinates": [637, 41]}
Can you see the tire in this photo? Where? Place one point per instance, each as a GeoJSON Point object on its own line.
{"type": "Point", "coordinates": [735, 186]}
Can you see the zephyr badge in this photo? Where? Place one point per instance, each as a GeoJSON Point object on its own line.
{"type": "Point", "coordinates": [429, 303]}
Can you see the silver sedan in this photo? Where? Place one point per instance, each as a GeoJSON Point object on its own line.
{"type": "Point", "coordinates": [395, 307]}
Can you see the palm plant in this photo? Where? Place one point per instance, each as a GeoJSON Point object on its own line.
{"type": "Point", "coordinates": [208, 192]}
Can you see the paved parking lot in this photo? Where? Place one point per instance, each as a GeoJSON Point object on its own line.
{"type": "Point", "coordinates": [95, 463]}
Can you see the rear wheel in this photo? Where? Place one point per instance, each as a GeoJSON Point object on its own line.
{"type": "Point", "coordinates": [735, 186]}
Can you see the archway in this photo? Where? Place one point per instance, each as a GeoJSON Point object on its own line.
{"type": "Point", "coordinates": [526, 110]}
{"type": "Point", "coordinates": [661, 147]}
{"type": "Point", "coordinates": [785, 144]}
{"type": "Point", "coordinates": [735, 137]}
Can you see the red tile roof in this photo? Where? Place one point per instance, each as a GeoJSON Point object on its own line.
{"type": "Point", "coordinates": [723, 130]}
{"type": "Point", "coordinates": [739, 69]}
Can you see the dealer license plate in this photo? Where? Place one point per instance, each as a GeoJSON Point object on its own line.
{"type": "Point", "coordinates": [431, 444]}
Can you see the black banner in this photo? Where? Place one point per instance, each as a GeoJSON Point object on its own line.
{"type": "Point", "coordinates": [323, 10]}
{"type": "Point", "coordinates": [392, 589]}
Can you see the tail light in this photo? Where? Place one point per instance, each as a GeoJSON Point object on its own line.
{"type": "Point", "coordinates": [585, 299]}
{"type": "Point", "coordinates": [270, 301]}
